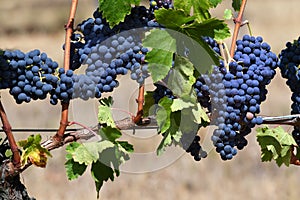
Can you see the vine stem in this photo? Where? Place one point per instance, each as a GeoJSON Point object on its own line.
{"type": "Point", "coordinates": [238, 23]}
{"type": "Point", "coordinates": [137, 119]}
{"type": "Point", "coordinates": [65, 105]}
{"type": "Point", "coordinates": [292, 120]}
{"type": "Point", "coordinates": [12, 142]}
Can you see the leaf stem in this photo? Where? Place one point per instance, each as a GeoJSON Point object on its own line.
{"type": "Point", "coordinates": [238, 23]}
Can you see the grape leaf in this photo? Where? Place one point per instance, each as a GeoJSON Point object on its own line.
{"type": "Point", "coordinates": [184, 65]}
{"type": "Point", "coordinates": [109, 133]}
{"type": "Point", "coordinates": [179, 104]}
{"type": "Point", "coordinates": [275, 144]}
{"type": "Point", "coordinates": [33, 151]}
{"type": "Point", "coordinates": [163, 114]}
{"type": "Point", "coordinates": [126, 146]}
{"type": "Point", "coordinates": [189, 121]}
{"type": "Point", "coordinates": [161, 56]}
{"type": "Point", "coordinates": [100, 173]}
{"type": "Point", "coordinates": [104, 112]}
{"type": "Point", "coordinates": [178, 83]}
{"type": "Point", "coordinates": [178, 21]}
{"type": "Point", "coordinates": [214, 3]}
{"type": "Point", "coordinates": [159, 63]}
{"type": "Point", "coordinates": [149, 103]}
{"type": "Point", "coordinates": [109, 8]}
{"type": "Point", "coordinates": [227, 14]}
{"type": "Point", "coordinates": [200, 115]}
{"type": "Point", "coordinates": [198, 8]}
{"type": "Point", "coordinates": [212, 27]}
{"type": "Point", "coordinates": [166, 141]}
{"type": "Point", "coordinates": [185, 6]}
{"type": "Point", "coordinates": [87, 153]}
{"type": "Point", "coordinates": [74, 169]}
{"type": "Point", "coordinates": [173, 19]}
{"type": "Point", "coordinates": [160, 39]}
{"type": "Point", "coordinates": [236, 4]}
{"type": "Point", "coordinates": [172, 134]}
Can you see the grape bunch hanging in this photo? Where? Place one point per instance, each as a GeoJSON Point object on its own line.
{"type": "Point", "coordinates": [232, 93]}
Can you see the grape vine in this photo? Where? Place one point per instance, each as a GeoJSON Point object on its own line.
{"type": "Point", "coordinates": [198, 82]}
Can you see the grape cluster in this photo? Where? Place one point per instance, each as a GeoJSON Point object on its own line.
{"type": "Point", "coordinates": [289, 66]}
{"type": "Point", "coordinates": [245, 88]}
{"type": "Point", "coordinates": [94, 31]}
{"type": "Point", "coordinates": [63, 87]}
{"type": "Point", "coordinates": [31, 75]}
{"type": "Point", "coordinates": [191, 144]}
{"type": "Point", "coordinates": [109, 52]}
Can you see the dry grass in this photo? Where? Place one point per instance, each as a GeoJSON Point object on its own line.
{"type": "Point", "coordinates": [245, 177]}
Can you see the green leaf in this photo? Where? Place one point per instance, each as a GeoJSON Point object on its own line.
{"type": "Point", "coordinates": [106, 101]}
{"type": "Point", "coordinates": [100, 173]}
{"type": "Point", "coordinates": [191, 54]}
{"type": "Point", "coordinates": [74, 169]}
{"type": "Point", "coordinates": [200, 115]}
{"type": "Point", "coordinates": [163, 114]}
{"type": "Point", "coordinates": [71, 148]}
{"type": "Point", "coordinates": [285, 157]}
{"type": "Point", "coordinates": [186, 6]}
{"type": "Point", "coordinates": [175, 126]}
{"type": "Point", "coordinates": [184, 65]}
{"type": "Point", "coordinates": [214, 3]}
{"type": "Point", "coordinates": [275, 144]}
{"type": "Point", "coordinates": [192, 29]}
{"type": "Point", "coordinates": [199, 8]}
{"type": "Point", "coordinates": [127, 147]}
{"type": "Point", "coordinates": [161, 56]}
{"type": "Point", "coordinates": [227, 14]}
{"type": "Point", "coordinates": [149, 103]}
{"type": "Point", "coordinates": [266, 155]}
{"type": "Point", "coordinates": [212, 27]}
{"type": "Point", "coordinates": [172, 135]}
{"type": "Point", "coordinates": [109, 8]}
{"type": "Point", "coordinates": [178, 83]}
{"type": "Point", "coordinates": [173, 19]}
{"type": "Point", "coordinates": [160, 39]}
{"type": "Point", "coordinates": [8, 153]}
{"type": "Point", "coordinates": [88, 153]}
{"type": "Point", "coordinates": [236, 4]}
{"type": "Point", "coordinates": [179, 104]}
{"type": "Point", "coordinates": [166, 141]}
{"type": "Point", "coordinates": [104, 112]}
{"type": "Point", "coordinates": [109, 133]}
{"type": "Point", "coordinates": [159, 63]}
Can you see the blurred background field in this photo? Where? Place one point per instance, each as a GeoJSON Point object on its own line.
{"type": "Point", "coordinates": [31, 24]}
